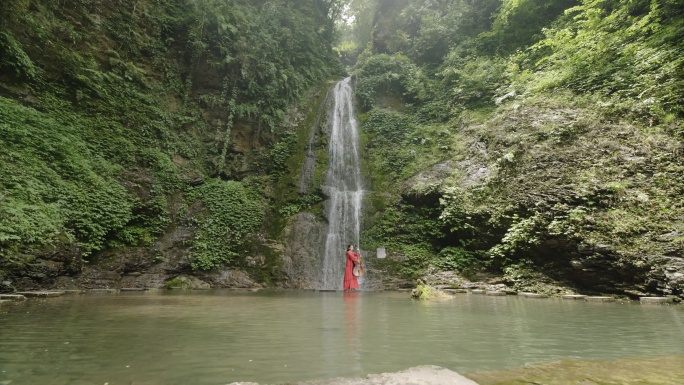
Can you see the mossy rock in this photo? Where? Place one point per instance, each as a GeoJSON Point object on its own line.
{"type": "Point", "coordinates": [427, 292]}
{"type": "Point", "coordinates": [187, 282]}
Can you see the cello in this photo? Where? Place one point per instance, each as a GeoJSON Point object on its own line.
{"type": "Point", "coordinates": [358, 270]}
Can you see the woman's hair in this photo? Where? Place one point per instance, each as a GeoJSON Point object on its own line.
{"type": "Point", "coordinates": [350, 246]}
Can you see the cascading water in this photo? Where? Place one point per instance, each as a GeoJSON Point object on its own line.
{"type": "Point", "coordinates": [343, 182]}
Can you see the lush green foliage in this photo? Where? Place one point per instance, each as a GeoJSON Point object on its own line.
{"type": "Point", "coordinates": [556, 121]}
{"type": "Point", "coordinates": [282, 151]}
{"type": "Point", "coordinates": [230, 218]}
{"type": "Point", "coordinates": [390, 132]}
{"type": "Point", "coordinates": [460, 259]}
{"type": "Point", "coordinates": [14, 58]}
{"type": "Point", "coordinates": [382, 74]}
{"type": "Point", "coordinates": [399, 146]}
{"type": "Point", "coordinates": [519, 23]}
{"type": "Point", "coordinates": [116, 110]}
{"type": "Point", "coordinates": [62, 187]}
{"type": "Point", "coordinates": [303, 203]}
{"type": "Point", "coordinates": [498, 133]}
{"type": "Point", "coordinates": [631, 53]}
{"type": "Point", "coordinates": [266, 50]}
{"type": "Point", "coordinates": [411, 230]}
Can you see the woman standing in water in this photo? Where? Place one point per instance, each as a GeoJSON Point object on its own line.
{"type": "Point", "coordinates": [350, 281]}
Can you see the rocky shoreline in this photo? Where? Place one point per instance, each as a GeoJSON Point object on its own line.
{"type": "Point", "coordinates": [122, 272]}
{"type": "Point", "coordinates": [421, 292]}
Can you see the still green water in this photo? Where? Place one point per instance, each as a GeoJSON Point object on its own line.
{"type": "Point", "coordinates": [218, 337]}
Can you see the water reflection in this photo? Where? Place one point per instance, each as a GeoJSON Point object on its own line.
{"type": "Point", "coordinates": [276, 337]}
{"type": "Point", "coordinates": [352, 319]}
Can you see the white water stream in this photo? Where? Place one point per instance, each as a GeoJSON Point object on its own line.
{"type": "Point", "coordinates": [343, 182]}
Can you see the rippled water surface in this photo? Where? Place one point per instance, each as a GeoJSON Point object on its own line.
{"type": "Point", "coordinates": [219, 337]}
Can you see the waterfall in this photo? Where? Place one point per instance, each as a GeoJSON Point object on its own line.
{"type": "Point", "coordinates": [343, 185]}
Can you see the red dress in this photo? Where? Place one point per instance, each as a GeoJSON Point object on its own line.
{"type": "Point", "coordinates": [350, 281]}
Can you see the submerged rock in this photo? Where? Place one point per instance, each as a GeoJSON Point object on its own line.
{"type": "Point", "coordinates": [662, 370]}
{"type": "Point", "coordinates": [420, 375]}
{"type": "Point", "coordinates": [423, 375]}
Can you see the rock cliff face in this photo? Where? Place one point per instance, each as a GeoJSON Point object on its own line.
{"type": "Point", "coordinates": [117, 121]}
{"type": "Point", "coordinates": [305, 232]}
{"type": "Point", "coordinates": [561, 223]}
{"type": "Point", "coordinates": [305, 240]}
{"type": "Point", "coordinates": [131, 134]}
{"type": "Point", "coordinates": [498, 144]}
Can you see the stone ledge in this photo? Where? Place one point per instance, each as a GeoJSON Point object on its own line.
{"type": "Point", "coordinates": [599, 299]}
{"type": "Point", "coordinates": [454, 291]}
{"type": "Point", "coordinates": [574, 296]}
{"type": "Point", "coordinates": [41, 293]}
{"type": "Point", "coordinates": [72, 292]}
{"type": "Point", "coordinates": [656, 300]}
{"type": "Point", "coordinates": [103, 291]}
{"type": "Point", "coordinates": [13, 297]}
{"type": "Point", "coordinates": [532, 295]}
{"type": "Point", "coordinates": [496, 293]}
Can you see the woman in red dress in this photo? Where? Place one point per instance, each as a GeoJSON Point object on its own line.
{"type": "Point", "coordinates": [350, 281]}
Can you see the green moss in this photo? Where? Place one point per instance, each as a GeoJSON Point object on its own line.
{"type": "Point", "coordinates": [176, 283]}
{"type": "Point", "coordinates": [288, 201]}
{"type": "Point", "coordinates": [428, 293]}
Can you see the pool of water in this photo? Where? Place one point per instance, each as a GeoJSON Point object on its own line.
{"type": "Point", "coordinates": [218, 337]}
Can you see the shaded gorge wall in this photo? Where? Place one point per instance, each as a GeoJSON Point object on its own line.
{"type": "Point", "coordinates": [147, 142]}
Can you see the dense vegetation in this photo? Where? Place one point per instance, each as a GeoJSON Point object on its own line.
{"type": "Point", "coordinates": [121, 121]}
{"type": "Point", "coordinates": [537, 139]}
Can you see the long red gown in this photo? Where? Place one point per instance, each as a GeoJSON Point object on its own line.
{"type": "Point", "coordinates": [350, 282]}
